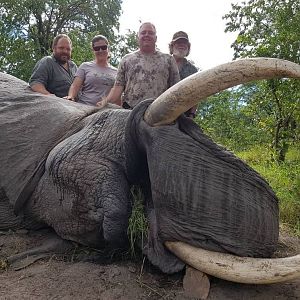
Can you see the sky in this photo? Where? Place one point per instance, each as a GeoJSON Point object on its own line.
{"type": "Point", "coordinates": [200, 19]}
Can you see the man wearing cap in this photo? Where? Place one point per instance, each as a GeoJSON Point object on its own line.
{"type": "Point", "coordinates": [143, 74]}
{"type": "Point", "coordinates": [180, 48]}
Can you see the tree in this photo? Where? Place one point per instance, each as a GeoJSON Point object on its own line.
{"type": "Point", "coordinates": [125, 44]}
{"type": "Point", "coordinates": [27, 28]}
{"type": "Point", "coordinates": [271, 28]}
{"type": "Point", "coordinates": [276, 105]}
{"type": "Point", "coordinates": [226, 118]}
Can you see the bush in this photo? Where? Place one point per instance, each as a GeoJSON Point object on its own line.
{"type": "Point", "coordinates": [284, 178]}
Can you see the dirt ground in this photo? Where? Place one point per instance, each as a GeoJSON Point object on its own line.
{"type": "Point", "coordinates": [86, 274]}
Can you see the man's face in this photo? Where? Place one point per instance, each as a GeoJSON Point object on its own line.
{"type": "Point", "coordinates": [147, 38]}
{"type": "Point", "coordinates": [62, 50]}
{"type": "Point", "coordinates": [181, 48]}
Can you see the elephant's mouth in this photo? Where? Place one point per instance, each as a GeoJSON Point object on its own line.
{"type": "Point", "coordinates": [178, 99]}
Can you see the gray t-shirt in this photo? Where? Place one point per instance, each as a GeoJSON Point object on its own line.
{"type": "Point", "coordinates": [97, 82]}
{"type": "Point", "coordinates": [56, 79]}
{"type": "Point", "coordinates": [145, 76]}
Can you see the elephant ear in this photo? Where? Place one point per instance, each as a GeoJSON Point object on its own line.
{"type": "Point", "coordinates": [31, 124]}
{"type": "Point", "coordinates": [203, 195]}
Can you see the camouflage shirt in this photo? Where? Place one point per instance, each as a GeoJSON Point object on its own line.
{"type": "Point", "coordinates": [145, 76]}
{"type": "Point", "coordinates": [187, 69]}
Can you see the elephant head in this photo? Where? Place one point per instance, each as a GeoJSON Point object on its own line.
{"type": "Point", "coordinates": [217, 189]}
{"type": "Point", "coordinates": [70, 167]}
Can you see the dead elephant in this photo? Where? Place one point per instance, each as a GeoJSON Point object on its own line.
{"type": "Point", "coordinates": [70, 167]}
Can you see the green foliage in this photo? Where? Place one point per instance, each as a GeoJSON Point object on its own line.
{"type": "Point", "coordinates": [27, 28]}
{"type": "Point", "coordinates": [284, 178]}
{"type": "Point", "coordinates": [138, 225]}
{"type": "Point", "coordinates": [226, 118]}
{"type": "Point", "coordinates": [124, 45]}
{"type": "Point", "coordinates": [271, 28]}
{"type": "Point", "coordinates": [276, 106]}
{"type": "Point", "coordinates": [267, 28]}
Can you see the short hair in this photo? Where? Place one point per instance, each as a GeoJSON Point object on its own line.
{"type": "Point", "coordinates": [148, 23]}
{"type": "Point", "coordinates": [58, 37]}
{"type": "Point", "coordinates": [99, 37]}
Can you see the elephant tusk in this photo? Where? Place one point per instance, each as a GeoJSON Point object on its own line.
{"type": "Point", "coordinates": [238, 269]}
{"type": "Point", "coordinates": [197, 87]}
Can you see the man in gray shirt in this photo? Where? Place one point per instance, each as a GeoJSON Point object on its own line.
{"type": "Point", "coordinates": [54, 74]}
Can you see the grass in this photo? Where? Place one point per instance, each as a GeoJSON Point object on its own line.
{"type": "Point", "coordinates": [138, 225]}
{"type": "Point", "coordinates": [284, 178]}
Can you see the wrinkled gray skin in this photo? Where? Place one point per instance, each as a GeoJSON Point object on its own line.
{"type": "Point", "coordinates": [70, 167]}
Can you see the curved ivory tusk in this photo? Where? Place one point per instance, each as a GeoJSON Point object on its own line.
{"type": "Point", "coordinates": [238, 269]}
{"type": "Point", "coordinates": [188, 92]}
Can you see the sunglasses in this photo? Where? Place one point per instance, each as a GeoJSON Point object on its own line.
{"type": "Point", "coordinates": [97, 48]}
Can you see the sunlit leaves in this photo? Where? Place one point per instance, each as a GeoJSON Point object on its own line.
{"type": "Point", "coordinates": [271, 28]}
{"type": "Point", "coordinates": [27, 28]}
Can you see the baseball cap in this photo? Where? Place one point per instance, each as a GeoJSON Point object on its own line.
{"type": "Point", "coordinates": [180, 35]}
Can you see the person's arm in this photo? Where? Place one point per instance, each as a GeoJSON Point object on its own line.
{"type": "Point", "coordinates": [40, 88]}
{"type": "Point", "coordinates": [74, 89]}
{"type": "Point", "coordinates": [41, 75]}
{"type": "Point", "coordinates": [114, 96]}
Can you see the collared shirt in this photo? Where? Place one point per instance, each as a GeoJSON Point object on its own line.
{"type": "Point", "coordinates": [187, 69]}
{"type": "Point", "coordinates": [56, 79]}
{"type": "Point", "coordinates": [145, 76]}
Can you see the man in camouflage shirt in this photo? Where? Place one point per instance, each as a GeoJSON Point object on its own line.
{"type": "Point", "coordinates": [180, 48]}
{"type": "Point", "coordinates": [145, 73]}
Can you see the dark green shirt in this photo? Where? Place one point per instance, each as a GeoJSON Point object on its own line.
{"type": "Point", "coordinates": [187, 69]}
{"type": "Point", "coordinates": [56, 79]}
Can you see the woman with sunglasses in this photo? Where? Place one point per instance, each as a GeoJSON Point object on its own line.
{"type": "Point", "coordinates": [94, 79]}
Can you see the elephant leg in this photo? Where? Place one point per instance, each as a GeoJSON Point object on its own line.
{"type": "Point", "coordinates": [8, 220]}
{"type": "Point", "coordinates": [91, 208]}
{"type": "Point", "coordinates": [52, 245]}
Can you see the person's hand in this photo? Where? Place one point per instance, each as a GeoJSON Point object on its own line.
{"type": "Point", "coordinates": [103, 102]}
{"type": "Point", "coordinates": [69, 98]}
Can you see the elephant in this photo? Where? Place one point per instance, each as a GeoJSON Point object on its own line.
{"type": "Point", "coordinates": [70, 167]}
